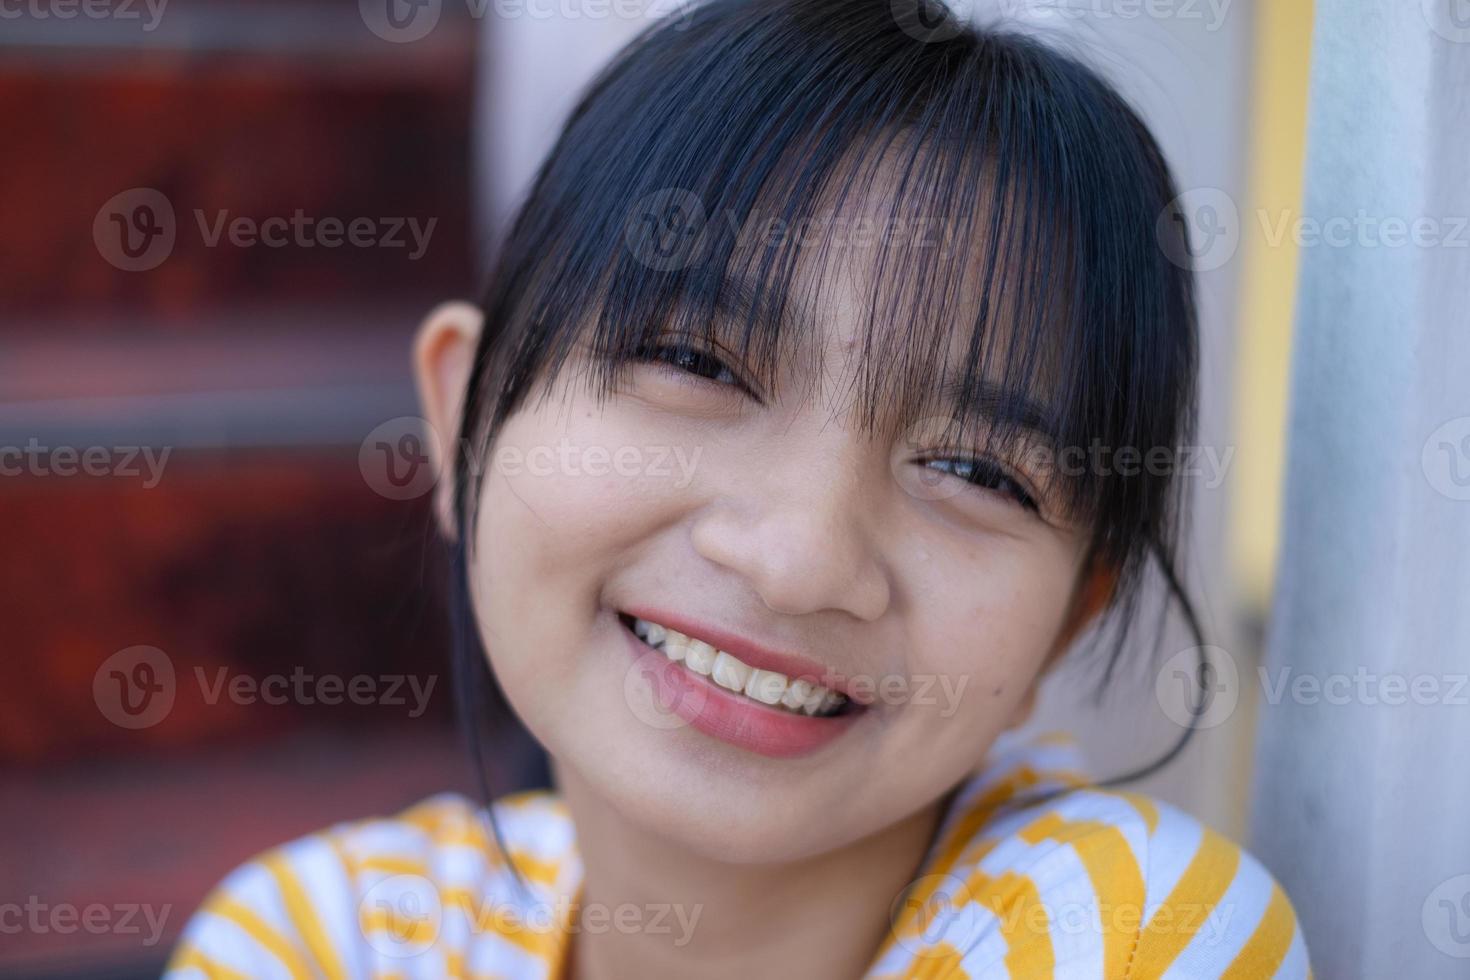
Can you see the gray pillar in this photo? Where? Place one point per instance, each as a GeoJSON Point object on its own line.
{"type": "Point", "coordinates": [1362, 796]}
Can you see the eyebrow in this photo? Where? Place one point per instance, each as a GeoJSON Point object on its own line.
{"type": "Point", "coordinates": [735, 303]}
{"type": "Point", "coordinates": [989, 401]}
{"type": "Point", "coordinates": [994, 403]}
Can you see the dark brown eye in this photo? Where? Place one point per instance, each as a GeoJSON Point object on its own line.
{"type": "Point", "coordinates": [989, 475]}
{"type": "Point", "coordinates": [698, 362]}
{"type": "Point", "coordinates": [688, 360]}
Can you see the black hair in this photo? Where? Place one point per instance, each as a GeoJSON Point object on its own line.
{"type": "Point", "coordinates": [1048, 301]}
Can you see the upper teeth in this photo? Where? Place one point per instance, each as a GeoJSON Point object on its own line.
{"type": "Point", "coordinates": [766, 686]}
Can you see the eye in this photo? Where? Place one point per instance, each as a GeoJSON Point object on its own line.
{"type": "Point", "coordinates": [688, 360]}
{"type": "Point", "coordinates": [989, 475]}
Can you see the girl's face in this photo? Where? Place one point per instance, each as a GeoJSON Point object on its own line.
{"type": "Point", "coordinates": [777, 528]}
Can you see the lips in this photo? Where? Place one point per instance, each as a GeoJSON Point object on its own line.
{"type": "Point", "coordinates": [728, 671]}
{"type": "Point", "coordinates": [751, 653]}
{"type": "Point", "coordinates": [719, 711]}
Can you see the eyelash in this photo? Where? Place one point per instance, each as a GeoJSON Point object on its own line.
{"type": "Point", "coordinates": [983, 473]}
{"type": "Point", "coordinates": [659, 354]}
{"type": "Point", "coordinates": [990, 475]}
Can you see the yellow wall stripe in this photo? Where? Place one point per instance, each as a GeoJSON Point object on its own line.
{"type": "Point", "coordinates": [1282, 48]}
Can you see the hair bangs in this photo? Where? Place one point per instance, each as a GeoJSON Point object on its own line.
{"type": "Point", "coordinates": [970, 189]}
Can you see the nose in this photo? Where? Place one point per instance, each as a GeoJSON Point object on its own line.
{"type": "Point", "coordinates": [797, 533]}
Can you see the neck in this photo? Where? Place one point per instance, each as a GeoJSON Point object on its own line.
{"type": "Point", "coordinates": [691, 915]}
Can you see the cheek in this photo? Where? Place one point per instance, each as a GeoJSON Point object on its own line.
{"type": "Point", "coordinates": [987, 618]}
{"type": "Point", "coordinates": [568, 495]}
{"type": "Point", "coordinates": [564, 486]}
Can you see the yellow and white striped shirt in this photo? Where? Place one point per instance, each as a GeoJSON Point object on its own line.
{"type": "Point", "coordinates": [1032, 874]}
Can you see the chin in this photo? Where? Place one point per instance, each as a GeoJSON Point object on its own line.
{"type": "Point", "coordinates": [723, 819]}
{"type": "Point", "coordinates": [710, 798]}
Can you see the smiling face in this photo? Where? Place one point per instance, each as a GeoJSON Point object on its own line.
{"type": "Point", "coordinates": [930, 587]}
{"type": "Point", "coordinates": [787, 492]}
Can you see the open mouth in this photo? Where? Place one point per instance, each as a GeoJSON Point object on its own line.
{"type": "Point", "coordinates": [769, 688]}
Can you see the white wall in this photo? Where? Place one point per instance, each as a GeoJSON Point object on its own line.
{"type": "Point", "coordinates": [1362, 803]}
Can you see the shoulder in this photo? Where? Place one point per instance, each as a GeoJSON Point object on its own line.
{"type": "Point", "coordinates": [1039, 874]}
{"type": "Point", "coordinates": [368, 892]}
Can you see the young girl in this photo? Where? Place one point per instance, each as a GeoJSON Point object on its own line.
{"type": "Point", "coordinates": [772, 502]}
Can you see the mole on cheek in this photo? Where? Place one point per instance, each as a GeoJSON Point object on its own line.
{"type": "Point", "coordinates": [999, 691]}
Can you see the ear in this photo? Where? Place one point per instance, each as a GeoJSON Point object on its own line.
{"type": "Point", "coordinates": [1091, 596]}
{"type": "Point", "coordinates": [443, 353]}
